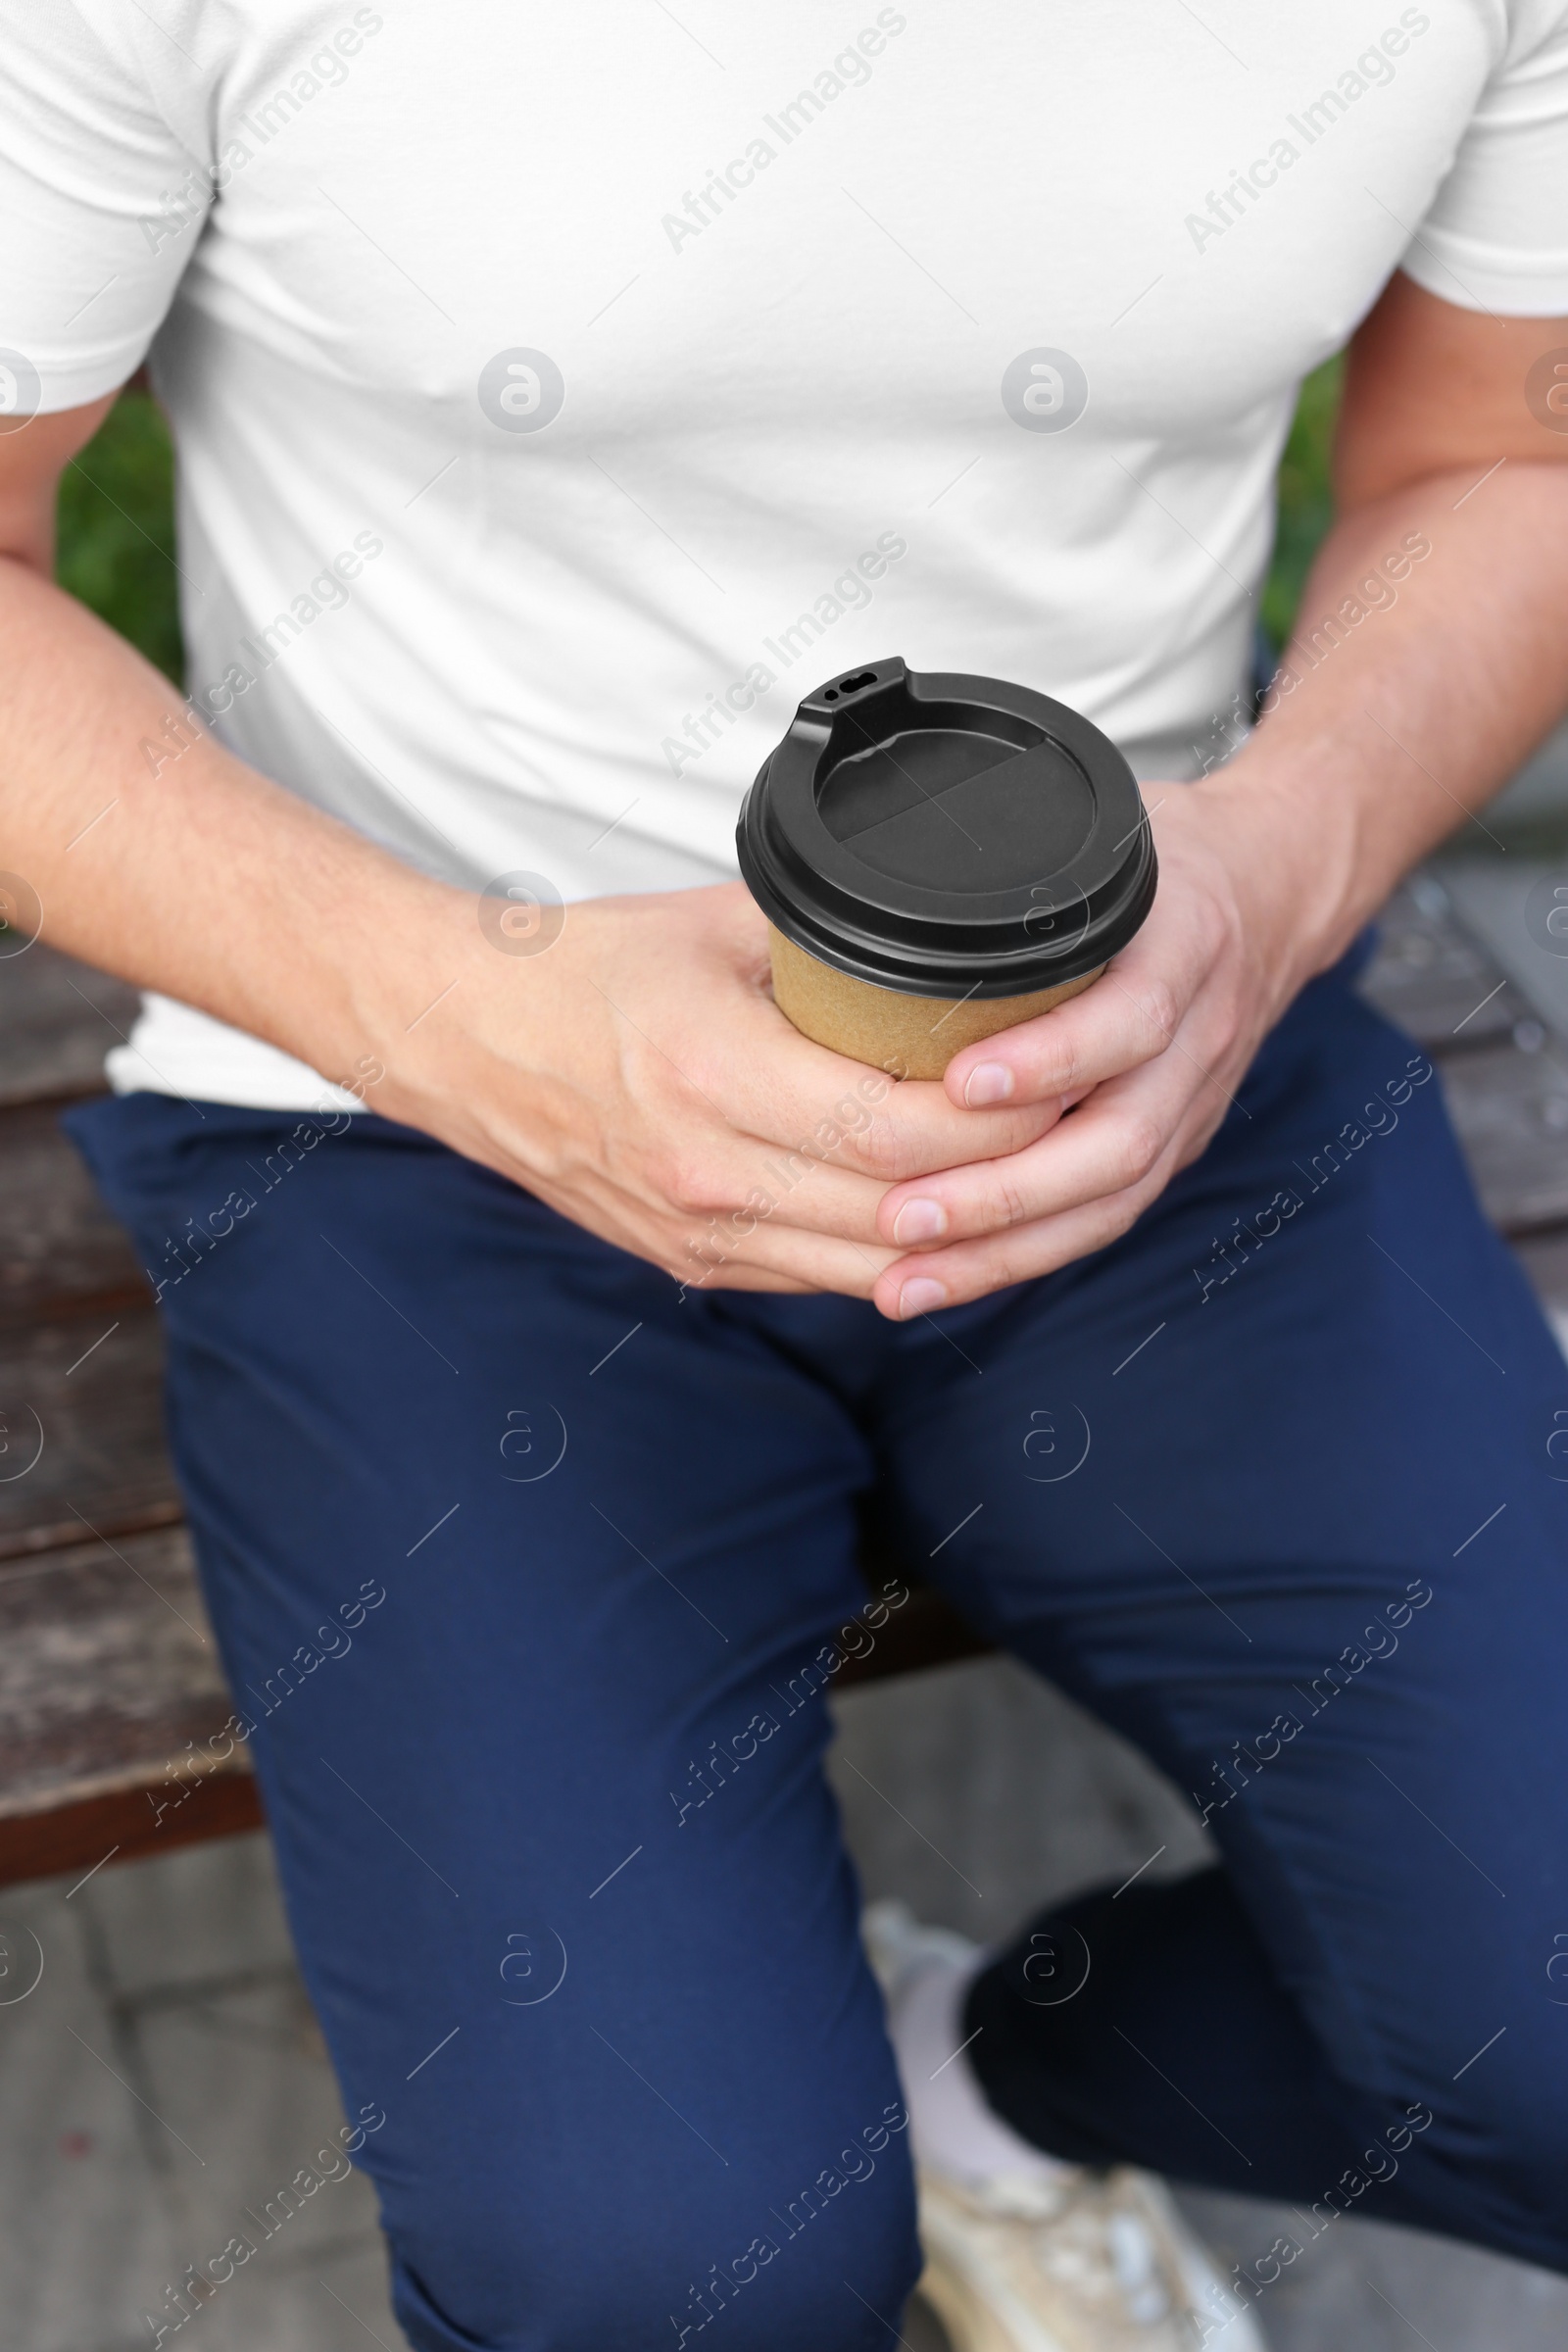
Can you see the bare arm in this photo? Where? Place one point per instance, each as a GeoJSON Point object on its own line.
{"type": "Point", "coordinates": [636, 1076]}
{"type": "Point", "coordinates": [1381, 732]}
{"type": "Point", "coordinates": [1421, 712]}
{"type": "Point", "coordinates": [98, 835]}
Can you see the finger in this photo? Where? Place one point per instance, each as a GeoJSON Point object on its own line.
{"type": "Point", "coordinates": [718, 1250]}
{"type": "Point", "coordinates": [708, 1176]}
{"type": "Point", "coordinates": [758, 1071]}
{"type": "Point", "coordinates": [791, 1093]}
{"type": "Point", "coordinates": [1131, 1014]}
{"type": "Point", "coordinates": [1110, 1141]}
{"type": "Point", "coordinates": [925, 1284]}
{"type": "Point", "coordinates": [724, 1255]}
{"type": "Point", "coordinates": [755, 1278]}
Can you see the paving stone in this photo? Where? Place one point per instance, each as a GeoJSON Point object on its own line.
{"type": "Point", "coordinates": [83, 2193]}
{"type": "Point", "coordinates": [178, 1977]}
{"type": "Point", "coordinates": [339, 2303]}
{"type": "Point", "coordinates": [1369, 2286]}
{"type": "Point", "coordinates": [239, 2075]}
{"type": "Point", "coordinates": [205, 1911]}
{"type": "Point", "coordinates": [978, 1793]}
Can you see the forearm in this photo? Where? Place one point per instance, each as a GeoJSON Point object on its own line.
{"type": "Point", "coordinates": [160, 856]}
{"type": "Point", "coordinates": [1382, 734]}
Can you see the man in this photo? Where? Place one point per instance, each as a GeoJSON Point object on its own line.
{"type": "Point", "coordinates": [558, 397]}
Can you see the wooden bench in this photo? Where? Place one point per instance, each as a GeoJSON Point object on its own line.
{"type": "Point", "coordinates": [109, 1675]}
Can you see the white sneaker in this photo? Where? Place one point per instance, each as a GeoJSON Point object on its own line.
{"type": "Point", "coordinates": [1035, 2255]}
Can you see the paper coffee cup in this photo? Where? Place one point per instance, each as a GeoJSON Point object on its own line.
{"type": "Point", "coordinates": [940, 857]}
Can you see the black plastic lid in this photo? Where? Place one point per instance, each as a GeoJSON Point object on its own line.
{"type": "Point", "coordinates": [946, 836]}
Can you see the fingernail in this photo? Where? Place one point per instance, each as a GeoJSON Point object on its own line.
{"type": "Point", "coordinates": [920, 1221]}
{"type": "Point", "coordinates": [988, 1082]}
{"type": "Point", "coordinates": [920, 1296]}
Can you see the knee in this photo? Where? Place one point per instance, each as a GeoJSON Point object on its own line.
{"type": "Point", "coordinates": [826, 2273]}
{"type": "Point", "coordinates": [829, 2261]}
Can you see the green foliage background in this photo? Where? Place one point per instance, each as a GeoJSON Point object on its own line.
{"type": "Point", "coordinates": [1306, 504]}
{"type": "Point", "coordinates": [116, 529]}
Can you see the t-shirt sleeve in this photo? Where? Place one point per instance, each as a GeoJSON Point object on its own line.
{"type": "Point", "coordinates": [1497, 235]}
{"type": "Point", "coordinates": [101, 203]}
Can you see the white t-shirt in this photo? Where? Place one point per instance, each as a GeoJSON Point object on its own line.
{"type": "Point", "coordinates": [559, 392]}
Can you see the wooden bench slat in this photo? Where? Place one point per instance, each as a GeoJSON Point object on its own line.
{"type": "Point", "coordinates": [1492, 897]}
{"type": "Point", "coordinates": [58, 1019]}
{"type": "Point", "coordinates": [102, 1461]}
{"type": "Point", "coordinates": [1510, 1111]}
{"type": "Point", "coordinates": [108, 1666]}
{"type": "Point", "coordinates": [59, 1245]}
{"type": "Point", "coordinates": [1431, 976]}
{"type": "Point", "coordinates": [121, 1827]}
{"type": "Point", "coordinates": [109, 1681]}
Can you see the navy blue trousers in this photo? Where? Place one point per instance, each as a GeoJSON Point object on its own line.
{"type": "Point", "coordinates": [529, 1572]}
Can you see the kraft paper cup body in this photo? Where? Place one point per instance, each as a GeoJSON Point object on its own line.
{"type": "Point", "coordinates": [909, 1037]}
{"type": "Point", "coordinates": [940, 857]}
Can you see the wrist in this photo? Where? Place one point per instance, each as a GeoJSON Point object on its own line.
{"type": "Point", "coordinates": [1299, 859]}
{"type": "Point", "coordinates": [404, 950]}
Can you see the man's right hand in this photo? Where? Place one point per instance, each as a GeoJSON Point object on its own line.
{"type": "Point", "coordinates": [637, 1075]}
